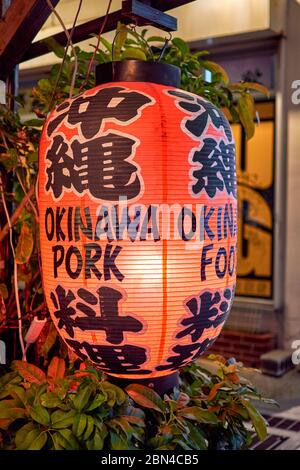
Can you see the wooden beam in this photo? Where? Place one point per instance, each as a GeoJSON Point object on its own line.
{"type": "Point", "coordinates": [84, 31]}
{"type": "Point", "coordinates": [19, 26]}
{"type": "Point", "coordinates": [143, 13]}
{"type": "Point", "coordinates": [164, 6]}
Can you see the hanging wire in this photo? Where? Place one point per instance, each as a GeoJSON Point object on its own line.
{"type": "Point", "coordinates": [65, 53]}
{"type": "Point", "coordinates": [164, 48]}
{"type": "Point", "coordinates": [70, 43]}
{"type": "Point", "coordinates": [16, 287]}
{"type": "Point", "coordinates": [97, 45]}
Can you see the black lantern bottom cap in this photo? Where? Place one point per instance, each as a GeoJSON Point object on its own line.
{"type": "Point", "coordinates": [161, 385]}
{"type": "Point", "coordinates": [138, 71]}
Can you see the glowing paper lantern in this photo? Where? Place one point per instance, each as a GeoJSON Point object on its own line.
{"type": "Point", "coordinates": [137, 197]}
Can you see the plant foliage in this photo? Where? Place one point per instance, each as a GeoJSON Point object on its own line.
{"type": "Point", "coordinates": [80, 409]}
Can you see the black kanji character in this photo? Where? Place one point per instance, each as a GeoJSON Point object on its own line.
{"type": "Point", "coordinates": [205, 313]}
{"type": "Point", "coordinates": [217, 170]}
{"type": "Point", "coordinates": [99, 166]}
{"type": "Point", "coordinates": [109, 321]}
{"type": "Point", "coordinates": [204, 112]}
{"type": "Point", "coordinates": [61, 172]}
{"type": "Point", "coordinates": [104, 169]}
{"type": "Point", "coordinates": [125, 359]}
{"type": "Point", "coordinates": [185, 354]}
{"type": "Point", "coordinates": [114, 103]}
{"type": "Point", "coordinates": [64, 312]}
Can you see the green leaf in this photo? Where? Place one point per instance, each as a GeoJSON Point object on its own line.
{"type": "Point", "coordinates": [79, 424]}
{"type": "Point", "coordinates": [29, 439]}
{"type": "Point", "coordinates": [146, 397]}
{"type": "Point", "coordinates": [68, 439]}
{"type": "Point", "coordinates": [58, 441]}
{"type": "Point", "coordinates": [215, 68]}
{"type": "Point", "coordinates": [9, 409]}
{"type": "Point", "coordinates": [245, 109]}
{"type": "Point", "coordinates": [195, 438]}
{"type": "Point", "coordinates": [120, 38]}
{"type": "Point", "coordinates": [89, 428]}
{"type": "Point", "coordinates": [62, 419]}
{"type": "Point", "coordinates": [256, 419]}
{"type": "Point", "coordinates": [96, 442]}
{"type": "Point", "coordinates": [50, 400]}
{"type": "Point", "coordinates": [54, 46]}
{"type": "Point", "coordinates": [98, 401]}
{"type": "Point", "coordinates": [40, 415]}
{"type": "Point", "coordinates": [39, 441]}
{"type": "Point", "coordinates": [34, 123]}
{"type": "Point", "coordinates": [115, 393]}
{"type": "Point", "coordinates": [25, 245]}
{"type": "Point", "coordinates": [82, 398]}
{"type": "Point", "coordinates": [240, 86]}
{"type": "Point", "coordinates": [17, 392]}
{"type": "Point", "coordinates": [29, 372]}
{"type": "Point", "coordinates": [22, 433]}
{"type": "Point", "coordinates": [134, 53]}
{"type": "Point", "coordinates": [156, 39]}
{"type": "Point", "coordinates": [33, 157]}
{"type": "Point", "coordinates": [181, 45]}
{"type": "Point", "coordinates": [106, 44]}
{"type": "Point", "coordinates": [117, 442]}
{"type": "Point", "coordinates": [198, 414]}
{"type": "Point", "coordinates": [257, 87]}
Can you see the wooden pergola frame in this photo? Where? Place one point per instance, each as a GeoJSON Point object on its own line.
{"type": "Point", "coordinates": [21, 20]}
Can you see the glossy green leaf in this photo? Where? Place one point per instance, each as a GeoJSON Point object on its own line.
{"type": "Point", "coordinates": [216, 68]}
{"type": "Point", "coordinates": [82, 397]}
{"type": "Point", "coordinates": [245, 109]}
{"type": "Point", "coordinates": [134, 53]}
{"type": "Point", "coordinates": [89, 427]}
{"type": "Point", "coordinates": [50, 400]}
{"type": "Point", "coordinates": [38, 442]}
{"type": "Point", "coordinates": [96, 442]}
{"type": "Point", "coordinates": [29, 438]}
{"type": "Point", "coordinates": [146, 397]}
{"type": "Point", "coordinates": [181, 45]}
{"type": "Point", "coordinates": [22, 433]}
{"type": "Point", "coordinates": [68, 440]}
{"type": "Point", "coordinates": [40, 415]}
{"type": "Point", "coordinates": [79, 424]}
{"type": "Point", "coordinates": [62, 419]}
{"type": "Point", "coordinates": [256, 419]}
{"type": "Point", "coordinates": [25, 245]}
{"type": "Point", "coordinates": [197, 414]}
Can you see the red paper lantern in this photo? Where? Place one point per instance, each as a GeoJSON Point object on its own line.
{"type": "Point", "coordinates": [138, 210]}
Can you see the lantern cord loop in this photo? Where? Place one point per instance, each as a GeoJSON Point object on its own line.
{"type": "Point", "coordinates": [164, 48]}
{"type": "Point", "coordinates": [96, 47]}
{"type": "Point", "coordinates": [20, 326]}
{"type": "Point", "coordinates": [65, 54]}
{"type": "Point", "coordinates": [70, 43]}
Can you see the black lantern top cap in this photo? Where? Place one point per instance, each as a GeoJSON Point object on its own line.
{"type": "Point", "coordinates": [138, 71]}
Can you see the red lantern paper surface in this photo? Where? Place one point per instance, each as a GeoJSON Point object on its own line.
{"type": "Point", "coordinates": [140, 285]}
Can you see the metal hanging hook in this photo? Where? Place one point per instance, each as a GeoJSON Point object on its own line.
{"type": "Point", "coordinates": [164, 48]}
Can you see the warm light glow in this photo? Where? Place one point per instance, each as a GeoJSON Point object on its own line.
{"type": "Point", "coordinates": [138, 226]}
